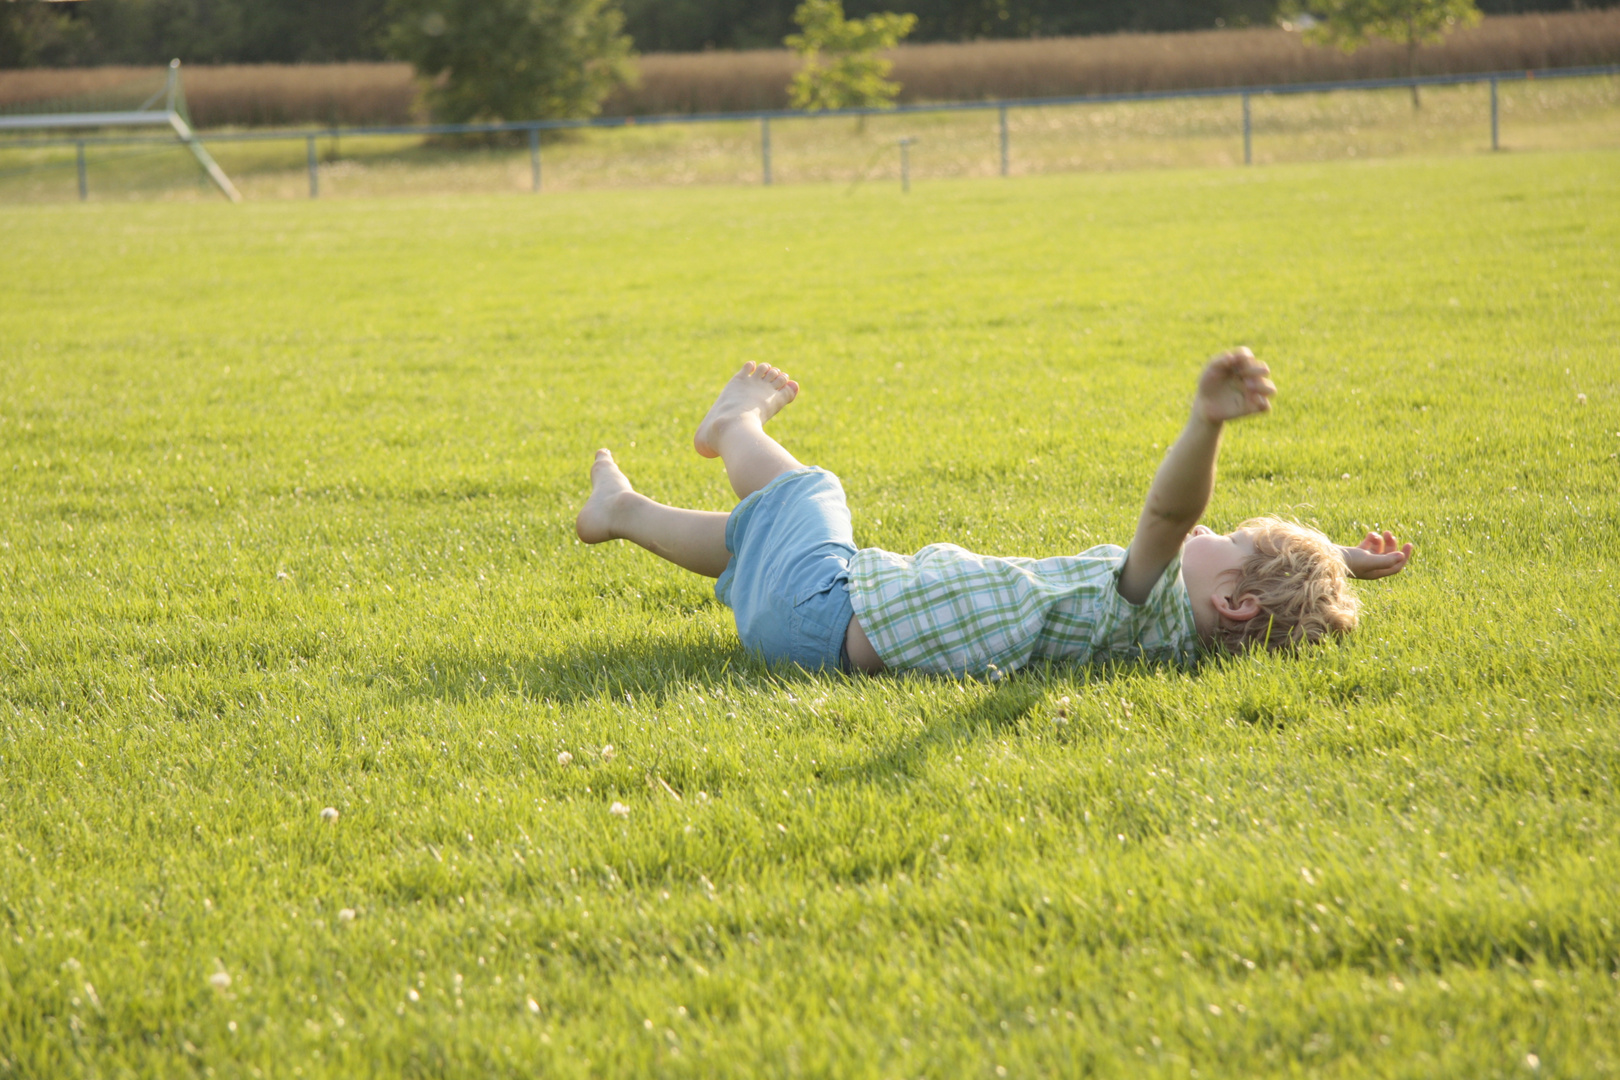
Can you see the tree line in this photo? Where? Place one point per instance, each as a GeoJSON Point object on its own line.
{"type": "Point", "coordinates": [91, 32]}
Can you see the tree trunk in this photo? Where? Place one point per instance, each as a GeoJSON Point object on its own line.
{"type": "Point", "coordinates": [1411, 60]}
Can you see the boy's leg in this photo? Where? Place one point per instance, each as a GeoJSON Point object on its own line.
{"type": "Point", "coordinates": [734, 429]}
{"type": "Point", "coordinates": [692, 539]}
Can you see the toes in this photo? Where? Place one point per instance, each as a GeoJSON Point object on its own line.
{"type": "Point", "coordinates": [792, 389]}
{"type": "Point", "coordinates": [768, 373]}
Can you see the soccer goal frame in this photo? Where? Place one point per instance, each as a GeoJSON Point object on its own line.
{"type": "Point", "coordinates": [159, 110]}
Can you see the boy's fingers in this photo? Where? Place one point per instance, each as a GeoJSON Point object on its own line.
{"type": "Point", "coordinates": [1240, 360]}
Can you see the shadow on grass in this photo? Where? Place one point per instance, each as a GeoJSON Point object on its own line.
{"type": "Point", "coordinates": [652, 667]}
{"type": "Point", "coordinates": [649, 666]}
{"type": "Point", "coordinates": [1018, 704]}
{"type": "Point", "coordinates": [1007, 706]}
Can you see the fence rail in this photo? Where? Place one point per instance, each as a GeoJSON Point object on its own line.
{"type": "Point", "coordinates": [534, 128]}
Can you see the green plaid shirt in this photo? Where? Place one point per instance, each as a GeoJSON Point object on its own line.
{"type": "Point", "coordinates": [950, 612]}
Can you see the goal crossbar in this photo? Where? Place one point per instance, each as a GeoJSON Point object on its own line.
{"type": "Point", "coordinates": [145, 116]}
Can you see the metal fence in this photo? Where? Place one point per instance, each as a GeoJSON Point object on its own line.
{"type": "Point", "coordinates": [533, 129]}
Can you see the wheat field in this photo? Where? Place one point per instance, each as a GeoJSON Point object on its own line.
{"type": "Point", "coordinates": [366, 93]}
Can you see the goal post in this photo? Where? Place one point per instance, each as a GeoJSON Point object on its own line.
{"type": "Point", "coordinates": [166, 109]}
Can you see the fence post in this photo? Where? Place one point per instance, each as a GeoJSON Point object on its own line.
{"type": "Point", "coordinates": [1495, 145]}
{"type": "Point", "coordinates": [765, 147]}
{"type": "Point", "coordinates": [534, 159]}
{"type": "Point", "coordinates": [84, 180]}
{"type": "Point", "coordinates": [1004, 140]}
{"type": "Point", "coordinates": [1248, 155]}
{"type": "Point", "coordinates": [905, 164]}
{"type": "Point", "coordinates": [314, 172]}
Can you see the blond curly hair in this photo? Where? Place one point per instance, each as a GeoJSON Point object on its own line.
{"type": "Point", "coordinates": [1302, 583]}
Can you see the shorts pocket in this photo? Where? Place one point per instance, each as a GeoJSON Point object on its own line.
{"type": "Point", "coordinates": [809, 593]}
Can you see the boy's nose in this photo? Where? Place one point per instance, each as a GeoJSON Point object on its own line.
{"type": "Point", "coordinates": [1202, 530]}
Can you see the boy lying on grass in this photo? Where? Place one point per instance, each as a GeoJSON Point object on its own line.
{"type": "Point", "coordinates": [789, 569]}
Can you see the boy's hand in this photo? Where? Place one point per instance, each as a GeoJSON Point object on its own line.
{"type": "Point", "coordinates": [1377, 556]}
{"type": "Point", "coordinates": [1234, 384]}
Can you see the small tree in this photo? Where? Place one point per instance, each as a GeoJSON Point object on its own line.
{"type": "Point", "coordinates": [1349, 24]}
{"type": "Point", "coordinates": [852, 76]}
{"type": "Point", "coordinates": [503, 60]}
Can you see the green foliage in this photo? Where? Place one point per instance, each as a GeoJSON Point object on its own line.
{"type": "Point", "coordinates": [40, 35]}
{"type": "Point", "coordinates": [95, 32]}
{"type": "Point", "coordinates": [493, 60]}
{"type": "Point", "coordinates": [287, 524]}
{"type": "Point", "coordinates": [1350, 24]}
{"type": "Point", "coordinates": [842, 68]}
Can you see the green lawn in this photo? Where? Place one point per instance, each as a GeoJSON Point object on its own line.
{"type": "Point", "coordinates": [286, 524]}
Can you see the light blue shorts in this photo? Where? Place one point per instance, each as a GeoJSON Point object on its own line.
{"type": "Point", "coordinates": [787, 582]}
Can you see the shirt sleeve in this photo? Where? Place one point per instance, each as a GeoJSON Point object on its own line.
{"type": "Point", "coordinates": [1158, 630]}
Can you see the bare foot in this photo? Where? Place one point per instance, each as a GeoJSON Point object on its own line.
{"type": "Point", "coordinates": [595, 522]}
{"type": "Point", "coordinates": [755, 393]}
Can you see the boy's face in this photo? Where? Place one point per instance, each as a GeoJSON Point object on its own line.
{"type": "Point", "coordinates": [1208, 560]}
{"type": "Point", "coordinates": [1206, 551]}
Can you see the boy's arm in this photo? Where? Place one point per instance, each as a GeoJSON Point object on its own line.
{"type": "Point", "coordinates": [1379, 555]}
{"type": "Point", "coordinates": [1234, 384]}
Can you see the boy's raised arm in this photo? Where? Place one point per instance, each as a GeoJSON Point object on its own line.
{"type": "Point", "coordinates": [1233, 385]}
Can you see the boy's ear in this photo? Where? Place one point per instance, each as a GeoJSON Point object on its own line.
{"type": "Point", "coordinates": [1243, 609]}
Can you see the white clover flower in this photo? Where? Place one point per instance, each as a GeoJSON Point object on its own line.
{"type": "Point", "coordinates": [413, 995]}
{"type": "Point", "coordinates": [346, 915]}
{"type": "Point", "coordinates": [618, 809]}
{"type": "Point", "coordinates": [534, 1006]}
{"type": "Point", "coordinates": [329, 815]}
{"type": "Point", "coordinates": [565, 758]}
{"type": "Point", "coordinates": [608, 752]}
{"type": "Point", "coordinates": [220, 980]}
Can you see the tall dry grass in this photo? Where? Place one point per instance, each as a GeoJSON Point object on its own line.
{"type": "Point", "coordinates": [246, 94]}
{"type": "Point", "coordinates": [357, 93]}
{"type": "Point", "coordinates": [1120, 63]}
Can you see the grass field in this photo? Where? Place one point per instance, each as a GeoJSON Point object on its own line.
{"type": "Point", "coordinates": [287, 525]}
{"type": "Point", "coordinates": [1562, 114]}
